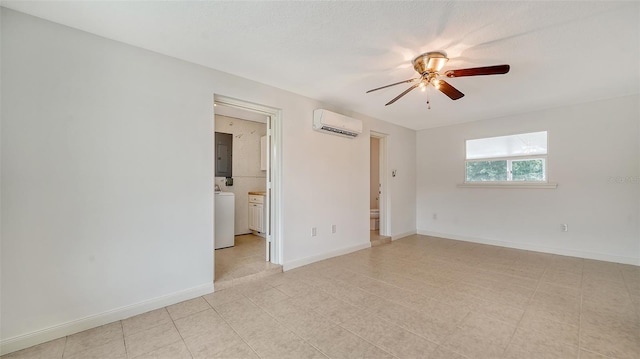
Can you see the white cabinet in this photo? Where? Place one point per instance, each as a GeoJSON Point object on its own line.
{"type": "Point", "coordinates": [255, 217]}
{"type": "Point", "coordinates": [256, 213]}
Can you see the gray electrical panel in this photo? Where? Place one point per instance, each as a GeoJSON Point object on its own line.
{"type": "Point", "coordinates": [224, 154]}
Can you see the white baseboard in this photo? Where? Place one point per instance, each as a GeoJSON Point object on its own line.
{"type": "Point", "coordinates": [16, 343]}
{"type": "Point", "coordinates": [536, 248]}
{"type": "Point", "coordinates": [312, 259]}
{"type": "Point", "coordinates": [402, 235]}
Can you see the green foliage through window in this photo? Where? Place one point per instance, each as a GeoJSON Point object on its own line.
{"type": "Point", "coordinates": [479, 171]}
{"type": "Point", "coordinates": [527, 170]}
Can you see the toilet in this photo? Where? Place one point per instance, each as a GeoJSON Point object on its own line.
{"type": "Point", "coordinates": [374, 217]}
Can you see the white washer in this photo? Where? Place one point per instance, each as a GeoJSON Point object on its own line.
{"type": "Point", "coordinates": [224, 220]}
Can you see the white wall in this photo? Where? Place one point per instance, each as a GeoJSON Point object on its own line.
{"type": "Point", "coordinates": [247, 176]}
{"type": "Point", "coordinates": [329, 184]}
{"type": "Point", "coordinates": [591, 147]}
{"type": "Point", "coordinates": [107, 176]}
{"type": "Point", "coordinates": [401, 193]}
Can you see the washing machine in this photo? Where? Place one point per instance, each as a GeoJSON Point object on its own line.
{"type": "Point", "coordinates": [224, 220]}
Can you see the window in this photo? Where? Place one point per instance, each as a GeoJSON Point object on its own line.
{"type": "Point", "coordinates": [515, 158]}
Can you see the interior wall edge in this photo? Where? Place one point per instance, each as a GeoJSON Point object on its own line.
{"type": "Point", "coordinates": [536, 248]}
{"type": "Point", "coordinates": [402, 235]}
{"type": "Point", "coordinates": [23, 341]}
{"type": "Point", "coordinates": [326, 255]}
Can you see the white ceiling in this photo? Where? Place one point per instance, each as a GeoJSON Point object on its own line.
{"type": "Point", "coordinates": [560, 52]}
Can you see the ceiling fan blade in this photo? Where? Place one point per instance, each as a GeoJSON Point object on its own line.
{"type": "Point", "coordinates": [397, 83]}
{"type": "Point", "coordinates": [476, 71]}
{"type": "Point", "coordinates": [449, 90]}
{"type": "Point", "coordinates": [402, 94]}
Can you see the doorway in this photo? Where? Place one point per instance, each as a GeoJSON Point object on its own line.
{"type": "Point", "coordinates": [378, 216]}
{"type": "Point", "coordinates": [255, 182]}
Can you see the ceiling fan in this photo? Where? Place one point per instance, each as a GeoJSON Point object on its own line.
{"type": "Point", "coordinates": [428, 66]}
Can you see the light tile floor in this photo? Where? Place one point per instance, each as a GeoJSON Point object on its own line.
{"type": "Point", "coordinates": [244, 261]}
{"type": "Point", "coordinates": [377, 239]}
{"type": "Point", "coordinates": [419, 297]}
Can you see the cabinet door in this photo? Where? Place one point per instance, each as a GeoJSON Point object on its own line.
{"type": "Point", "coordinates": [253, 225]}
{"type": "Point", "coordinates": [260, 218]}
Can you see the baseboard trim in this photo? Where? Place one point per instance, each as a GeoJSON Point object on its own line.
{"type": "Point", "coordinates": [402, 235]}
{"type": "Point", "coordinates": [312, 259]}
{"type": "Point", "coordinates": [535, 248]}
{"type": "Point", "coordinates": [16, 343]}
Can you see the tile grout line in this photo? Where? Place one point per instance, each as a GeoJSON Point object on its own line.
{"type": "Point", "coordinates": [234, 329]}
{"type": "Point", "coordinates": [525, 309]}
{"type": "Point", "coordinates": [284, 325]}
{"type": "Point", "coordinates": [64, 349]}
{"type": "Point", "coordinates": [334, 324]}
{"type": "Point", "coordinates": [140, 331]}
{"type": "Point", "coordinates": [581, 304]}
{"type": "Point", "coordinates": [459, 326]}
{"type": "Point", "coordinates": [366, 340]}
{"type": "Point", "coordinates": [124, 343]}
{"type": "Point", "coordinates": [173, 321]}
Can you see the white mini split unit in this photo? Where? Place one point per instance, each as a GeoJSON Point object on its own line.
{"type": "Point", "coordinates": [335, 123]}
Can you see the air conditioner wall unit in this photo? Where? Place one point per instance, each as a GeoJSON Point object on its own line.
{"type": "Point", "coordinates": [335, 123]}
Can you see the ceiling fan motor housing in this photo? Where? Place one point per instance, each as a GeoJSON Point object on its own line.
{"type": "Point", "coordinates": [430, 62]}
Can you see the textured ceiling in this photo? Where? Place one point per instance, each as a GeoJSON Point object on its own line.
{"type": "Point", "coordinates": [560, 52]}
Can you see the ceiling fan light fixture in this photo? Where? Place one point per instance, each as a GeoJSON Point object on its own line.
{"type": "Point", "coordinates": [428, 66]}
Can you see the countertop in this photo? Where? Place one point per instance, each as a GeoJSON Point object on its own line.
{"type": "Point", "coordinates": [255, 193]}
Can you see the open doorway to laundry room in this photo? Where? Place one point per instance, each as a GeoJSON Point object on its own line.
{"type": "Point", "coordinates": [378, 189]}
{"type": "Point", "coordinates": [246, 185]}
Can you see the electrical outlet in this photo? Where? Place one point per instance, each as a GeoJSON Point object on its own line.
{"type": "Point", "coordinates": [333, 228]}
{"type": "Point", "coordinates": [435, 216]}
{"type": "Point", "coordinates": [313, 231]}
{"type": "Point", "coordinates": [565, 227]}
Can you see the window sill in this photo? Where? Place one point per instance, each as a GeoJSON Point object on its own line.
{"type": "Point", "coordinates": [508, 185]}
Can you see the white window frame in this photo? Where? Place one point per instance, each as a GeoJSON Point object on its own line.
{"type": "Point", "coordinates": [509, 183]}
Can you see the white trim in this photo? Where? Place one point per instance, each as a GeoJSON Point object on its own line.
{"type": "Point", "coordinates": [383, 160]}
{"type": "Point", "coordinates": [276, 225]}
{"type": "Point", "coordinates": [245, 105]}
{"type": "Point", "coordinates": [277, 221]}
{"type": "Point", "coordinates": [402, 235]}
{"type": "Point", "coordinates": [511, 185]}
{"type": "Point", "coordinates": [509, 158]}
{"type": "Point", "coordinates": [312, 259]}
{"type": "Point", "coordinates": [536, 248]}
{"type": "Point", "coordinates": [19, 342]}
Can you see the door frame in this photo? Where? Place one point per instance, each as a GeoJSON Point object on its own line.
{"type": "Point", "coordinates": [274, 171]}
{"type": "Point", "coordinates": [385, 218]}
